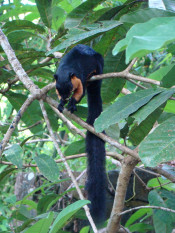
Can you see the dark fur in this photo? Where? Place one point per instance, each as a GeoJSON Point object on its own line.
{"type": "Point", "coordinates": [82, 61]}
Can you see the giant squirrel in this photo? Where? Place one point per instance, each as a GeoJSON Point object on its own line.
{"type": "Point", "coordinates": [72, 74]}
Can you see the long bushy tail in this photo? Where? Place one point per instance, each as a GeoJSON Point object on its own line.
{"type": "Point", "coordinates": [95, 148]}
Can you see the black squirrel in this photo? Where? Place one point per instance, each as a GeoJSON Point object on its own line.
{"type": "Point", "coordinates": [74, 70]}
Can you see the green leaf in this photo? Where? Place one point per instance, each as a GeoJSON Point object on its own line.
{"type": "Point", "coordinates": [138, 214]}
{"type": "Point", "coordinates": [47, 167]}
{"type": "Point", "coordinates": [113, 131]}
{"type": "Point", "coordinates": [123, 107]}
{"type": "Point", "coordinates": [58, 17]}
{"type": "Point", "coordinates": [161, 181]}
{"type": "Point", "coordinates": [159, 146]}
{"type": "Point", "coordinates": [66, 214]}
{"type": "Point", "coordinates": [5, 75]}
{"type": "Point", "coordinates": [168, 79]}
{"type": "Point", "coordinates": [44, 202]}
{"type": "Point", "coordinates": [161, 73]}
{"type": "Point", "coordinates": [14, 155]}
{"type": "Point", "coordinates": [104, 26]}
{"type": "Point", "coordinates": [143, 15]}
{"type": "Point", "coordinates": [170, 106]}
{"type": "Point", "coordinates": [140, 130]}
{"type": "Point", "coordinates": [38, 189]}
{"type": "Point", "coordinates": [144, 38]}
{"type": "Point", "coordinates": [16, 11]}
{"type": "Point", "coordinates": [79, 13]}
{"type": "Point", "coordinates": [31, 115]}
{"type": "Point", "coordinates": [163, 221]}
{"type": "Point", "coordinates": [76, 147]}
{"type": "Point", "coordinates": [141, 227]}
{"type": "Point", "coordinates": [42, 226]}
{"type": "Point", "coordinates": [45, 10]}
{"type": "Point", "coordinates": [18, 36]}
{"type": "Point", "coordinates": [25, 140]}
{"type": "Point", "coordinates": [153, 104]}
{"type": "Point", "coordinates": [22, 24]}
{"type": "Point", "coordinates": [6, 173]}
{"type": "Point", "coordinates": [85, 230]}
{"type": "Point", "coordinates": [111, 87]}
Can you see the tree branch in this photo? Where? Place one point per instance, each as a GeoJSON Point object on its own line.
{"type": "Point", "coordinates": [127, 167]}
{"type": "Point", "coordinates": [23, 77]}
{"type": "Point", "coordinates": [106, 138]}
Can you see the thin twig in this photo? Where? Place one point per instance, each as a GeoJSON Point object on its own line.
{"type": "Point", "coordinates": [31, 126]}
{"type": "Point", "coordinates": [161, 185]}
{"type": "Point", "coordinates": [146, 207]}
{"type": "Point", "coordinates": [86, 208]}
{"type": "Point", "coordinates": [131, 65]}
{"type": "Point", "coordinates": [68, 123]}
{"type": "Point", "coordinates": [141, 181]}
{"type": "Point", "coordinates": [163, 173]}
{"type": "Point", "coordinates": [137, 84]}
{"type": "Point", "coordinates": [110, 154]}
{"type": "Point", "coordinates": [125, 75]}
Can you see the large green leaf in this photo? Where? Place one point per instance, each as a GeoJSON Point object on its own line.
{"type": "Point", "coordinates": [104, 26]}
{"type": "Point", "coordinates": [143, 15]}
{"type": "Point", "coordinates": [66, 214]}
{"type": "Point", "coordinates": [155, 102]}
{"type": "Point", "coordinates": [159, 146]}
{"type": "Point", "coordinates": [123, 107]}
{"type": "Point", "coordinates": [47, 167]}
{"type": "Point", "coordinates": [14, 155]}
{"type": "Point", "coordinates": [42, 226]}
{"type": "Point", "coordinates": [163, 221]}
{"type": "Point", "coordinates": [45, 10]}
{"type": "Point", "coordinates": [22, 24]}
{"type": "Point", "coordinates": [144, 38]}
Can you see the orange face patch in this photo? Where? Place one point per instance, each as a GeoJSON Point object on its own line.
{"type": "Point", "coordinates": [59, 97]}
{"type": "Point", "coordinates": [77, 88]}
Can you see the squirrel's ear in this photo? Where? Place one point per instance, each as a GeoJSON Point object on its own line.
{"type": "Point", "coordinates": [71, 75]}
{"type": "Point", "coordinates": [55, 76]}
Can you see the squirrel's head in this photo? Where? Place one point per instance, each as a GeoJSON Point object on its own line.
{"type": "Point", "coordinates": [64, 85]}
